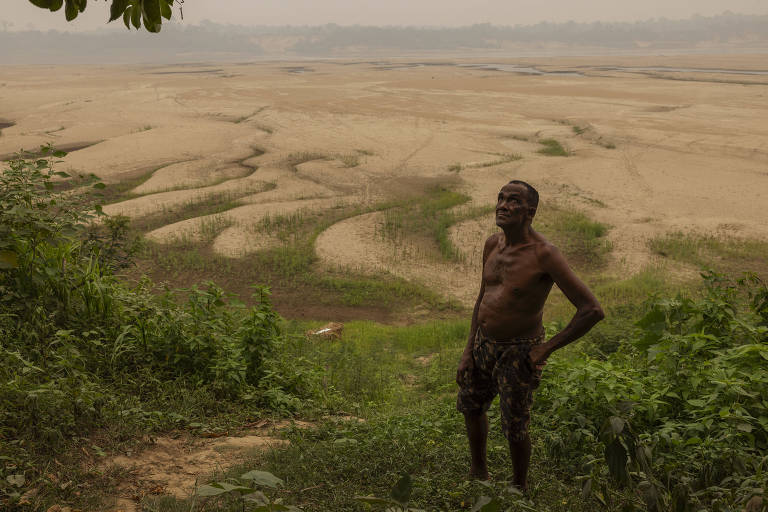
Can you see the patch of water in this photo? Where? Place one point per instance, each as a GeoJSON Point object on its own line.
{"type": "Point", "coordinates": [512, 68]}
{"type": "Point", "coordinates": [685, 70]}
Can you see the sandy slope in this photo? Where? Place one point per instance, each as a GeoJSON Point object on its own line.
{"type": "Point", "coordinates": [691, 152]}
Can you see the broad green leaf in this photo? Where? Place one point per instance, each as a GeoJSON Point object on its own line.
{"type": "Point", "coordinates": [616, 457]}
{"type": "Point", "coordinates": [152, 17]}
{"type": "Point", "coordinates": [586, 489]}
{"type": "Point", "coordinates": [136, 16]}
{"type": "Point", "coordinates": [744, 427]}
{"type": "Point", "coordinates": [693, 440]}
{"type": "Point", "coordinates": [70, 10]}
{"type": "Point", "coordinates": [17, 480]}
{"type": "Point", "coordinates": [127, 17]}
{"type": "Point", "coordinates": [262, 478]}
{"type": "Point", "coordinates": [44, 4]}
{"type": "Point", "coordinates": [165, 9]}
{"type": "Point", "coordinates": [117, 9]}
{"type": "Point", "coordinates": [234, 488]}
{"type": "Point", "coordinates": [697, 403]}
{"type": "Point", "coordinates": [486, 504]}
{"type": "Point", "coordinates": [401, 492]}
{"type": "Point", "coordinates": [616, 424]}
{"type": "Point", "coordinates": [8, 260]}
{"type": "Point", "coordinates": [209, 490]}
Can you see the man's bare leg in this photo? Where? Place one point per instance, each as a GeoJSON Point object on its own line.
{"type": "Point", "coordinates": [477, 432]}
{"type": "Point", "coordinates": [520, 451]}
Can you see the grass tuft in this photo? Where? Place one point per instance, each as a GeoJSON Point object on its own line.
{"type": "Point", "coordinates": [552, 148]}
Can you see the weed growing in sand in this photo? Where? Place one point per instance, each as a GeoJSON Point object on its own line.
{"type": "Point", "coordinates": [349, 160]}
{"type": "Point", "coordinates": [283, 227]}
{"type": "Point", "coordinates": [201, 206]}
{"type": "Point", "coordinates": [455, 167]}
{"type": "Point", "coordinates": [504, 158]}
{"type": "Point", "coordinates": [365, 152]}
{"type": "Point", "coordinates": [552, 148]}
{"type": "Point", "coordinates": [428, 218]}
{"type": "Point", "coordinates": [578, 130]}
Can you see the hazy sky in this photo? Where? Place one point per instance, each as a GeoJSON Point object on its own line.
{"type": "Point", "coordinates": [393, 12]}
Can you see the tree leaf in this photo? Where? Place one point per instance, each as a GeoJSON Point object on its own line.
{"type": "Point", "coordinates": [616, 425]}
{"type": "Point", "coordinates": [117, 9]}
{"type": "Point", "coordinates": [262, 478]}
{"type": "Point", "coordinates": [8, 260]}
{"type": "Point", "coordinates": [127, 17]}
{"type": "Point", "coordinates": [401, 492]}
{"type": "Point", "coordinates": [43, 4]}
{"type": "Point", "coordinates": [616, 457]}
{"type": "Point", "coordinates": [152, 16]}
{"type": "Point", "coordinates": [136, 16]}
{"type": "Point", "coordinates": [165, 9]}
{"type": "Point", "coordinates": [71, 11]}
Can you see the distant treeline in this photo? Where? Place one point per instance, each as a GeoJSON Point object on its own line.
{"type": "Point", "coordinates": [179, 40]}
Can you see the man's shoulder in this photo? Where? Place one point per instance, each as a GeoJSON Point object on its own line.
{"type": "Point", "coordinates": [492, 240]}
{"type": "Point", "coordinates": [545, 250]}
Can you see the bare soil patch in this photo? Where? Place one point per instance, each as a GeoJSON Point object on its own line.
{"type": "Point", "coordinates": [645, 155]}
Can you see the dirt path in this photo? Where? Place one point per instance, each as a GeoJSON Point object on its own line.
{"type": "Point", "coordinates": [175, 466]}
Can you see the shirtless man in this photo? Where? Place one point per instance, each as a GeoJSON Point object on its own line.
{"type": "Point", "coordinates": [506, 350]}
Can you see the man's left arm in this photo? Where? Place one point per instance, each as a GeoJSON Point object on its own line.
{"type": "Point", "coordinates": [588, 310]}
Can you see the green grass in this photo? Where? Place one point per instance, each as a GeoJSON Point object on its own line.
{"type": "Point", "coordinates": [580, 238]}
{"type": "Point", "coordinates": [426, 222]}
{"type": "Point", "coordinates": [552, 148]}
{"type": "Point", "coordinates": [722, 253]}
{"type": "Point", "coordinates": [207, 204]}
{"type": "Point", "coordinates": [290, 267]}
{"type": "Point", "coordinates": [400, 381]}
{"type": "Point", "coordinates": [349, 160]}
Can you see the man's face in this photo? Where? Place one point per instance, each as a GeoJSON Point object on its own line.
{"type": "Point", "coordinates": [512, 206]}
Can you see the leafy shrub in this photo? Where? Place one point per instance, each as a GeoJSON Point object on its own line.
{"type": "Point", "coordinates": [76, 344]}
{"type": "Point", "coordinates": [681, 414]}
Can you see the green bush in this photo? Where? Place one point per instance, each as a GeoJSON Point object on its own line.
{"type": "Point", "coordinates": [77, 345]}
{"type": "Point", "coordinates": [681, 413]}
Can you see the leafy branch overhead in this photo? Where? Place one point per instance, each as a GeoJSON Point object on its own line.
{"type": "Point", "coordinates": [150, 13]}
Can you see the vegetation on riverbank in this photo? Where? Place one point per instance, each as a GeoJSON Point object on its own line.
{"type": "Point", "coordinates": [661, 407]}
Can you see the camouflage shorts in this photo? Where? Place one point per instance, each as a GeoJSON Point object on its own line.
{"type": "Point", "coordinates": [504, 368]}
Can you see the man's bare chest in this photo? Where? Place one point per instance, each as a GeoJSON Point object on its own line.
{"type": "Point", "coordinates": [517, 271]}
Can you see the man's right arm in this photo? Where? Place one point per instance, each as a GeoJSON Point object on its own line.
{"type": "Point", "coordinates": [466, 363]}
